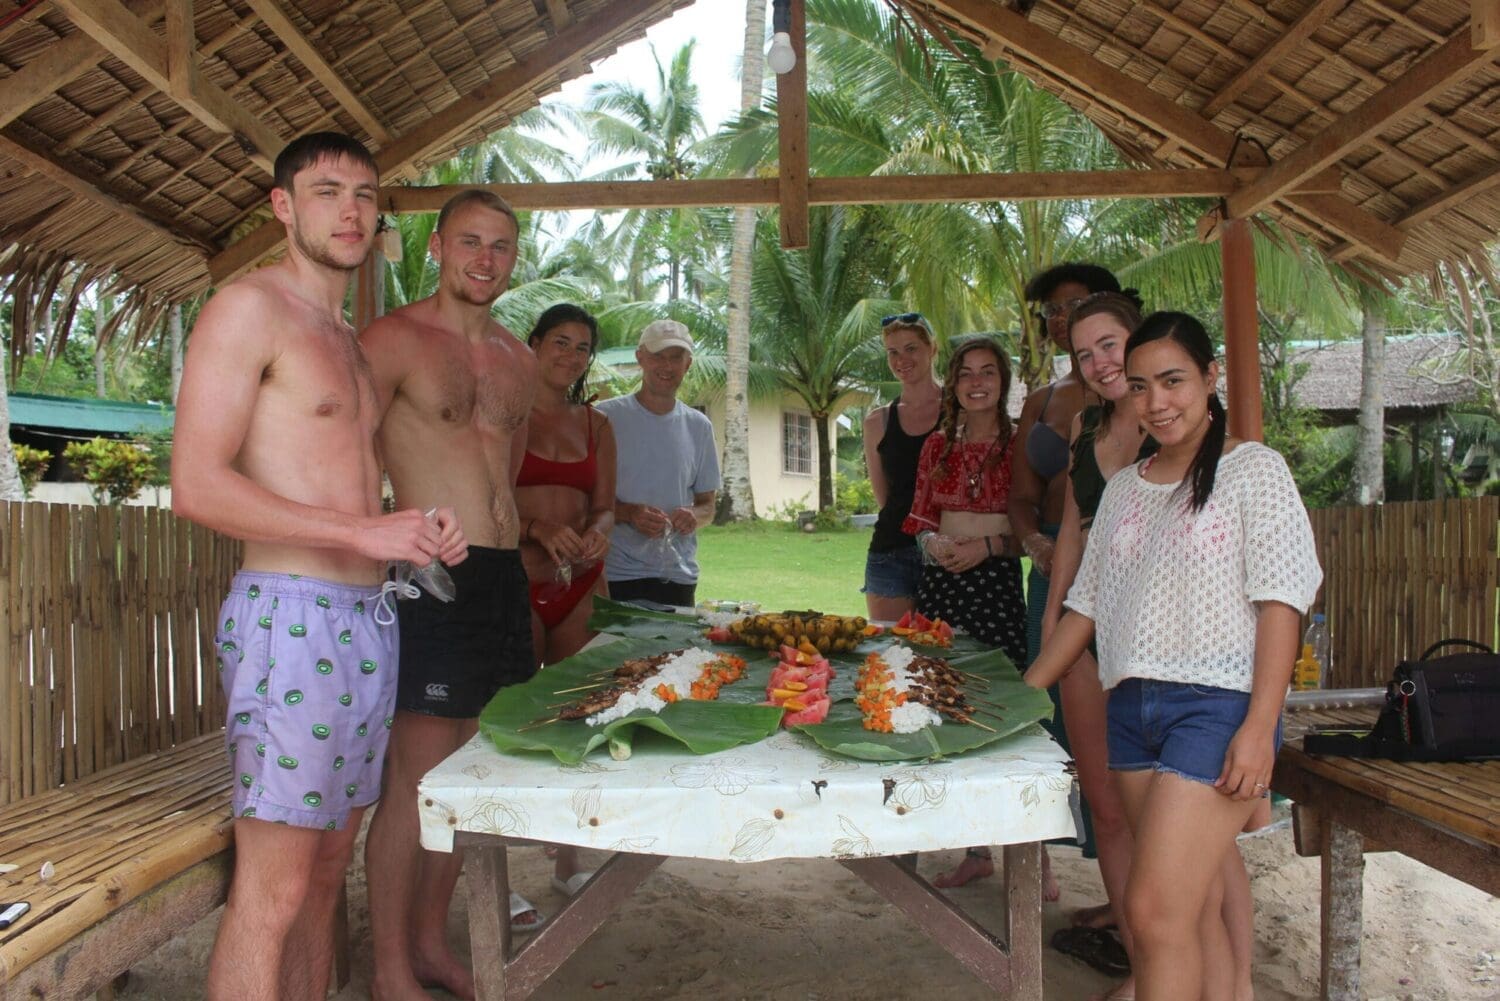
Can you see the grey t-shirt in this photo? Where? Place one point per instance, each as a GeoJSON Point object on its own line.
{"type": "Point", "coordinates": [661, 460]}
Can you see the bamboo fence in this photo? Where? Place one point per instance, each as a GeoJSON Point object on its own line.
{"type": "Point", "coordinates": [1400, 577]}
{"type": "Point", "coordinates": [106, 631]}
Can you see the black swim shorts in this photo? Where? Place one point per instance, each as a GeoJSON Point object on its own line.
{"type": "Point", "coordinates": [456, 655]}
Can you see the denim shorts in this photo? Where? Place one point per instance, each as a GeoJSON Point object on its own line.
{"type": "Point", "coordinates": [1172, 727]}
{"type": "Point", "coordinates": [894, 573]}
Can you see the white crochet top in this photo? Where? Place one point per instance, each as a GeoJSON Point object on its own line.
{"type": "Point", "coordinates": [1172, 593]}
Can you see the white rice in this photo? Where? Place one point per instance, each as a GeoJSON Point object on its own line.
{"type": "Point", "coordinates": [679, 673]}
{"type": "Point", "coordinates": [909, 717]}
{"type": "Point", "coordinates": [717, 620]}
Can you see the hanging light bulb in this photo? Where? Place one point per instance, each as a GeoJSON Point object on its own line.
{"type": "Point", "coordinates": [390, 240]}
{"type": "Point", "coordinates": [781, 57]}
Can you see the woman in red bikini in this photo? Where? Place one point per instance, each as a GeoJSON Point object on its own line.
{"type": "Point", "coordinates": [565, 492]}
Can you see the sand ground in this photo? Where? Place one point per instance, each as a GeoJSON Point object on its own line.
{"type": "Point", "coordinates": [811, 931]}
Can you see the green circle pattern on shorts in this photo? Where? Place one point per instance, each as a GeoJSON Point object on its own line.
{"type": "Point", "coordinates": [319, 721]}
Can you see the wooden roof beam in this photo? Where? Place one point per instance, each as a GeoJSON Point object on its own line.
{"type": "Point", "coordinates": [1082, 70]}
{"type": "Point", "coordinates": [1445, 66]}
{"type": "Point", "coordinates": [131, 40]}
{"type": "Point", "coordinates": [39, 163]}
{"type": "Point", "coordinates": [58, 65]}
{"type": "Point", "coordinates": [395, 159]}
{"type": "Point", "coordinates": [300, 46]}
{"type": "Point", "coordinates": [1300, 31]}
{"type": "Point", "coordinates": [791, 133]}
{"type": "Point", "coordinates": [883, 190]}
{"type": "Point", "coordinates": [1484, 23]}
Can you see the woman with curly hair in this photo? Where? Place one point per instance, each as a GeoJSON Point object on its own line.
{"type": "Point", "coordinates": [972, 577]}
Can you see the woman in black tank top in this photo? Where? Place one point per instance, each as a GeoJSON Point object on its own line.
{"type": "Point", "coordinates": [893, 439]}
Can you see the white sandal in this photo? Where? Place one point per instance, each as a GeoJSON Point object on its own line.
{"type": "Point", "coordinates": [519, 905]}
{"type": "Point", "coordinates": [569, 887]}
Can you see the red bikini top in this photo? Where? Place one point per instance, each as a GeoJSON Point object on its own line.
{"type": "Point", "coordinates": [580, 475]}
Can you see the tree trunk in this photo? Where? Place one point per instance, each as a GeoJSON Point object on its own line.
{"type": "Point", "coordinates": [738, 499]}
{"type": "Point", "coordinates": [10, 473]}
{"type": "Point", "coordinates": [101, 320]}
{"type": "Point", "coordinates": [174, 327]}
{"type": "Point", "coordinates": [1368, 486]}
{"type": "Point", "coordinates": [825, 462]}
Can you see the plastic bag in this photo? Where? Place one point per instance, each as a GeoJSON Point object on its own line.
{"type": "Point", "coordinates": [666, 557]}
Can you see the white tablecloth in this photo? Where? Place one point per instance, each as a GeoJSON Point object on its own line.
{"type": "Point", "coordinates": [781, 798]}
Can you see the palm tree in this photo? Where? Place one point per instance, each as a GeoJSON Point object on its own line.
{"type": "Point", "coordinates": [737, 502]}
{"type": "Point", "coordinates": [815, 316]}
{"type": "Point", "coordinates": [656, 137]}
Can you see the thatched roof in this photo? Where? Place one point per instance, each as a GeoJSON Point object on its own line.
{"type": "Point", "coordinates": [101, 163]}
{"type": "Point", "coordinates": [140, 148]}
{"type": "Point", "coordinates": [1391, 92]}
{"type": "Point", "coordinates": [1422, 373]}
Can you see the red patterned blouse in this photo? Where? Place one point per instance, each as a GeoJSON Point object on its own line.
{"type": "Point", "coordinates": [975, 477]}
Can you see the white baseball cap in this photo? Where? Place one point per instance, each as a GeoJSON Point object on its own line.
{"type": "Point", "coordinates": [659, 335]}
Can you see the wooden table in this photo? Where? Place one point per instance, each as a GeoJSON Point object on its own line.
{"type": "Point", "coordinates": [781, 798]}
{"type": "Point", "coordinates": [1446, 815]}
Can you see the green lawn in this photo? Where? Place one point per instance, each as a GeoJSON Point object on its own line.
{"type": "Point", "coordinates": [780, 568]}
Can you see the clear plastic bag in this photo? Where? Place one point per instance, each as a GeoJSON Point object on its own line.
{"type": "Point", "coordinates": [433, 578]}
{"type": "Point", "coordinates": [665, 555]}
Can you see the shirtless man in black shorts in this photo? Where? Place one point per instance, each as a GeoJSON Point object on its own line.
{"type": "Point", "coordinates": [455, 387]}
{"type": "Point", "coordinates": [275, 445]}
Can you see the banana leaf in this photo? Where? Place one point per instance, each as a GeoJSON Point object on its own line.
{"type": "Point", "coordinates": [702, 727]}
{"type": "Point", "coordinates": [1015, 707]}
{"type": "Point", "coordinates": [632, 621]}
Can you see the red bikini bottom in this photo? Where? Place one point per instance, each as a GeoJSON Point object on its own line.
{"type": "Point", "coordinates": [553, 600]}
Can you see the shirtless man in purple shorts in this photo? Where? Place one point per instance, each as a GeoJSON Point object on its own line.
{"type": "Point", "coordinates": [274, 445]}
{"type": "Point", "coordinates": [456, 388]}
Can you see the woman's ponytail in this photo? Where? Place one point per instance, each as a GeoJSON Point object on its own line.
{"type": "Point", "coordinates": [1206, 462]}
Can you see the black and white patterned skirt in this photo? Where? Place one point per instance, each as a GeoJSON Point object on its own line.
{"type": "Point", "coordinates": [986, 602]}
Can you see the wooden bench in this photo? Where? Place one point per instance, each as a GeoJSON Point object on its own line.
{"type": "Point", "coordinates": [141, 851]}
{"type": "Point", "coordinates": [1446, 815]}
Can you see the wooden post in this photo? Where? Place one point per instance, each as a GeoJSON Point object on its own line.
{"type": "Point", "coordinates": [1241, 330]}
{"type": "Point", "coordinates": [1342, 911]}
{"type": "Point", "coordinates": [791, 129]}
{"type": "Point", "coordinates": [369, 290]}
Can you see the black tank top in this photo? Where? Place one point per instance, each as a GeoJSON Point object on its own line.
{"type": "Point", "coordinates": [898, 452]}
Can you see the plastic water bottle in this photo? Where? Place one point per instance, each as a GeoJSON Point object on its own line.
{"type": "Point", "coordinates": [1313, 666]}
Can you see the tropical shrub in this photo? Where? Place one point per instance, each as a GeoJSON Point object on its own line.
{"type": "Point", "coordinates": [115, 471]}
{"type": "Point", "coordinates": [33, 463]}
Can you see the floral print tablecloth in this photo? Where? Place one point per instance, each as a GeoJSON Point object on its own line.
{"type": "Point", "coordinates": [780, 798]}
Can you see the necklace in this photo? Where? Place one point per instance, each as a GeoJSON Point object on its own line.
{"type": "Point", "coordinates": [975, 478]}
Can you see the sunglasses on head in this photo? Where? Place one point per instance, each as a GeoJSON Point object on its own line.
{"type": "Point", "coordinates": [886, 321]}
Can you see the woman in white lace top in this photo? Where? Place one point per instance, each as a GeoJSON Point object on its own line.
{"type": "Point", "coordinates": [1199, 565]}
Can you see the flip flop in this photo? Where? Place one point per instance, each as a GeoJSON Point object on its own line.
{"type": "Point", "coordinates": [1094, 946]}
{"type": "Point", "coordinates": [520, 906]}
{"type": "Point", "coordinates": [570, 886]}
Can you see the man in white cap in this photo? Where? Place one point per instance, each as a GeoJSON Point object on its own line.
{"type": "Point", "coordinates": [667, 472]}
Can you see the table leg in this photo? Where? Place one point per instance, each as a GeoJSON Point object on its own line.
{"type": "Point", "coordinates": [488, 885]}
{"type": "Point", "coordinates": [1342, 906]}
{"type": "Point", "coordinates": [943, 921]}
{"type": "Point", "coordinates": [1023, 909]}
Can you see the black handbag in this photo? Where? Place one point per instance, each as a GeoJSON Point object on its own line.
{"type": "Point", "coordinates": [1436, 709]}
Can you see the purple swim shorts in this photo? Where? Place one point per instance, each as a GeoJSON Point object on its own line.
{"type": "Point", "coordinates": [310, 675]}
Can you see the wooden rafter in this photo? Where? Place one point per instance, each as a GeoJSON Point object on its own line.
{"type": "Point", "coordinates": [1302, 29]}
{"type": "Point", "coordinates": [1080, 69]}
{"type": "Point", "coordinates": [58, 65]}
{"type": "Point", "coordinates": [301, 47]}
{"type": "Point", "coordinates": [38, 162]}
{"type": "Point", "coordinates": [132, 41]}
{"type": "Point", "coordinates": [1484, 23]}
{"type": "Point", "coordinates": [182, 51]}
{"type": "Point", "coordinates": [791, 132]}
{"type": "Point", "coordinates": [886, 189]}
{"type": "Point", "coordinates": [1451, 62]}
{"type": "Point", "coordinates": [405, 150]}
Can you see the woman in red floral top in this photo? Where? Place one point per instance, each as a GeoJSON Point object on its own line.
{"type": "Point", "coordinates": [972, 577]}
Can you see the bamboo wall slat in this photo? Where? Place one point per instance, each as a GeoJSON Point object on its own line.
{"type": "Point", "coordinates": [103, 613]}
{"type": "Point", "coordinates": [1400, 577]}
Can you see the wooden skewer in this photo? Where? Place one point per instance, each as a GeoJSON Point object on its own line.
{"type": "Point", "coordinates": [581, 688]}
{"type": "Point", "coordinates": [973, 722]}
{"type": "Point", "coordinates": [533, 726]}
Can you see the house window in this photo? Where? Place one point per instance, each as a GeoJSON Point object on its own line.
{"type": "Point", "coordinates": [796, 444]}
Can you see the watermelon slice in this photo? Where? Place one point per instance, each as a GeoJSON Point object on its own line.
{"type": "Point", "coordinates": [720, 634]}
{"type": "Point", "coordinates": [809, 710]}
